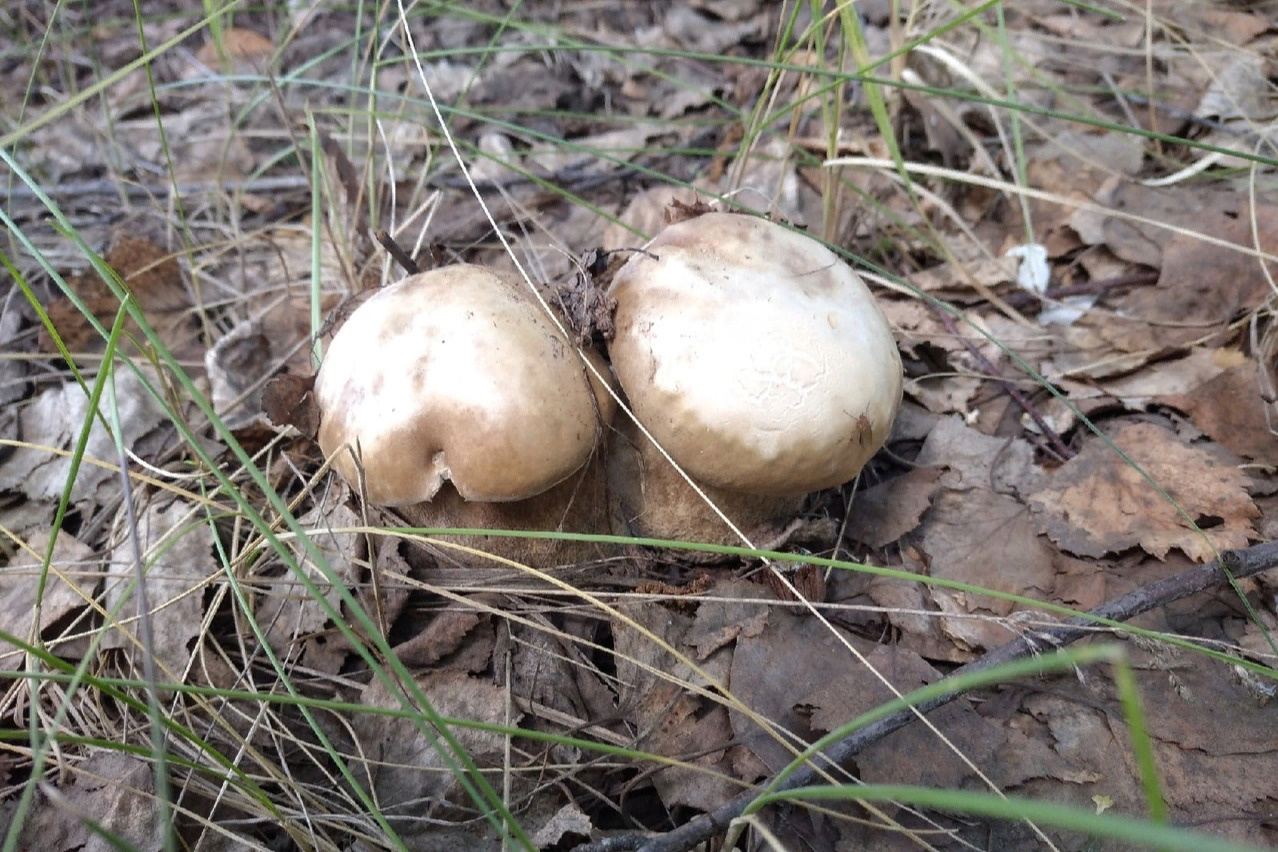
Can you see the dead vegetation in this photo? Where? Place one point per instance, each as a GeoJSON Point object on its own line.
{"type": "Point", "coordinates": [1069, 215]}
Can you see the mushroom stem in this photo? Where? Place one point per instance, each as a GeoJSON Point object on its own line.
{"type": "Point", "coordinates": [653, 500]}
{"type": "Point", "coordinates": [578, 504]}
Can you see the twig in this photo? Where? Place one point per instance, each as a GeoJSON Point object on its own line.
{"type": "Point", "coordinates": [402, 257]}
{"type": "Point", "coordinates": [578, 177]}
{"type": "Point", "coordinates": [1058, 446]}
{"type": "Point", "coordinates": [110, 186]}
{"type": "Point", "coordinates": [1232, 565]}
{"type": "Point", "coordinates": [1023, 299]}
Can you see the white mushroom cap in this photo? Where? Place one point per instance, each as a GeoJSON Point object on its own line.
{"type": "Point", "coordinates": [457, 374]}
{"type": "Point", "coordinates": [754, 355]}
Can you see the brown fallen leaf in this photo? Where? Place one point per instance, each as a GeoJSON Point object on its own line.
{"type": "Point", "coordinates": [885, 512]}
{"type": "Point", "coordinates": [1229, 408]}
{"type": "Point", "coordinates": [55, 418]}
{"type": "Point", "coordinates": [287, 400]}
{"type": "Point", "coordinates": [441, 636]}
{"type": "Point", "coordinates": [115, 789]}
{"type": "Point", "coordinates": [1201, 284]}
{"type": "Point", "coordinates": [177, 554]}
{"type": "Point", "coordinates": [409, 774]}
{"type": "Point", "coordinates": [987, 540]}
{"type": "Point", "coordinates": [568, 821]}
{"type": "Point", "coordinates": [850, 692]}
{"type": "Point", "coordinates": [1170, 378]}
{"type": "Point", "coordinates": [296, 625]}
{"type": "Point", "coordinates": [649, 212]}
{"type": "Point", "coordinates": [74, 572]}
{"type": "Point", "coordinates": [154, 278]}
{"type": "Point", "coordinates": [1097, 503]}
{"type": "Point", "coordinates": [973, 459]}
{"type": "Point", "coordinates": [239, 51]}
{"type": "Point", "coordinates": [675, 721]}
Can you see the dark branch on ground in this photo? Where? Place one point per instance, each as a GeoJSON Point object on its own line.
{"type": "Point", "coordinates": [1232, 565]}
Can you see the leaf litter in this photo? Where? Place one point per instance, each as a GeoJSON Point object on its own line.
{"type": "Point", "coordinates": [1169, 352]}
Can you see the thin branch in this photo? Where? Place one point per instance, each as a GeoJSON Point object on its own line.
{"type": "Point", "coordinates": [1057, 445]}
{"type": "Point", "coordinates": [1232, 565]}
{"type": "Point", "coordinates": [403, 258]}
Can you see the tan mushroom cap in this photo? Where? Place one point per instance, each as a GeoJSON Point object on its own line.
{"type": "Point", "coordinates": [754, 355]}
{"type": "Point", "coordinates": [457, 374]}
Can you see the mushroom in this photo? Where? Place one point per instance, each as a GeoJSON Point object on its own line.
{"type": "Point", "coordinates": [759, 361]}
{"type": "Point", "coordinates": [453, 397]}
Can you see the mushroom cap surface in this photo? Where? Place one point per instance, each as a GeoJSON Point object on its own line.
{"type": "Point", "coordinates": [459, 374]}
{"type": "Point", "coordinates": [754, 355]}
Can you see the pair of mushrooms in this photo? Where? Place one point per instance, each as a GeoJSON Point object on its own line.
{"type": "Point", "coordinates": [754, 356]}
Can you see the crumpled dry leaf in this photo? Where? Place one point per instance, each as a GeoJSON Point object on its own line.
{"type": "Point", "coordinates": [153, 277]}
{"type": "Point", "coordinates": [989, 540]}
{"type": "Point", "coordinates": [678, 723]}
{"type": "Point", "coordinates": [237, 367]}
{"type": "Point", "coordinates": [74, 572]}
{"type": "Point", "coordinates": [1192, 756]}
{"type": "Point", "coordinates": [238, 51]}
{"type": "Point", "coordinates": [909, 608]}
{"type": "Point", "coordinates": [773, 675]}
{"type": "Point", "coordinates": [568, 820]}
{"type": "Point", "coordinates": [549, 669]}
{"type": "Point", "coordinates": [442, 635]}
{"type": "Point", "coordinates": [409, 775]}
{"type": "Point", "coordinates": [1073, 730]}
{"type": "Point", "coordinates": [13, 371]}
{"type": "Point", "coordinates": [973, 459]}
{"type": "Point", "coordinates": [772, 672]}
{"type": "Point", "coordinates": [296, 625]}
{"type": "Point", "coordinates": [176, 545]}
{"type": "Point", "coordinates": [851, 691]}
{"type": "Point", "coordinates": [1097, 503]}
{"type": "Point", "coordinates": [114, 789]}
{"type": "Point", "coordinates": [55, 418]}
{"type": "Point", "coordinates": [1162, 379]}
{"type": "Point", "coordinates": [1228, 407]}
{"type": "Point", "coordinates": [1201, 284]}
{"type": "Point", "coordinates": [646, 213]}
{"type": "Point", "coordinates": [885, 512]}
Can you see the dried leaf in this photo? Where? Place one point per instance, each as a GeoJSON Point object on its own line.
{"type": "Point", "coordinates": [1229, 409]}
{"type": "Point", "coordinates": [442, 636]}
{"type": "Point", "coordinates": [408, 773]}
{"type": "Point", "coordinates": [842, 697]}
{"type": "Point", "coordinates": [113, 788]}
{"type": "Point", "coordinates": [238, 51]}
{"type": "Point", "coordinates": [1097, 503]}
{"type": "Point", "coordinates": [296, 625]}
{"type": "Point", "coordinates": [975, 460]}
{"type": "Point", "coordinates": [13, 370]}
{"type": "Point", "coordinates": [1201, 283]}
{"type": "Point", "coordinates": [154, 278]}
{"type": "Point", "coordinates": [568, 820]}
{"type": "Point", "coordinates": [74, 571]}
{"type": "Point", "coordinates": [287, 401]}
{"type": "Point", "coordinates": [176, 546]}
{"type": "Point", "coordinates": [54, 419]}
{"type": "Point", "coordinates": [988, 540]}
{"type": "Point", "coordinates": [884, 513]}
{"type": "Point", "coordinates": [677, 722]}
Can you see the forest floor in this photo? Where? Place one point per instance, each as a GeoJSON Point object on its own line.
{"type": "Point", "coordinates": [1068, 213]}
